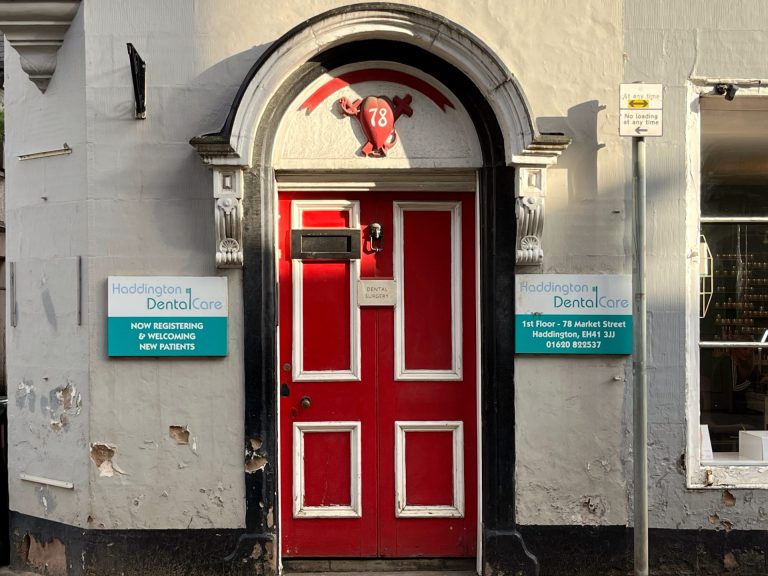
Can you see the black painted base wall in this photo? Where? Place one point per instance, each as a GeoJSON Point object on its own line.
{"type": "Point", "coordinates": [608, 550]}
{"type": "Point", "coordinates": [137, 552]}
{"type": "Point", "coordinates": [531, 551]}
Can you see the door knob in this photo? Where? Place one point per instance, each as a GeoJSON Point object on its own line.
{"type": "Point", "coordinates": [305, 402]}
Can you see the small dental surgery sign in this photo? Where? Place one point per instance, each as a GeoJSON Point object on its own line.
{"type": "Point", "coordinates": [573, 314]}
{"type": "Point", "coordinates": [167, 316]}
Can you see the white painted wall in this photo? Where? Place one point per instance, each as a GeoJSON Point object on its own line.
{"type": "Point", "coordinates": [135, 198]}
{"type": "Point", "coordinates": [46, 213]}
{"type": "Point", "coordinates": [671, 46]}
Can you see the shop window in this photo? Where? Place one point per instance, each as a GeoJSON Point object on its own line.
{"type": "Point", "coordinates": [733, 274]}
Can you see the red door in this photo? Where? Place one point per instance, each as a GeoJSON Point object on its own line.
{"type": "Point", "coordinates": [378, 379]}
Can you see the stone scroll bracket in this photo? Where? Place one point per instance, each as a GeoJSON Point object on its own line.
{"type": "Point", "coordinates": [530, 192]}
{"type": "Point", "coordinates": [529, 210]}
{"type": "Point", "coordinates": [228, 197]}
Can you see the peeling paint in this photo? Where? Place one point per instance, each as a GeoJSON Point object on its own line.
{"type": "Point", "coordinates": [180, 434]}
{"type": "Point", "coordinates": [271, 517]}
{"type": "Point", "coordinates": [214, 496]}
{"type": "Point", "coordinates": [728, 499]}
{"type": "Point", "coordinates": [65, 401]}
{"type": "Point", "coordinates": [46, 499]}
{"type": "Point", "coordinates": [729, 561]}
{"type": "Point", "coordinates": [102, 455]}
{"type": "Point", "coordinates": [727, 524]}
{"type": "Point", "coordinates": [598, 469]}
{"type": "Point", "coordinates": [256, 443]}
{"type": "Point", "coordinates": [255, 464]}
{"type": "Point", "coordinates": [26, 395]}
{"type": "Point", "coordinates": [714, 518]}
{"type": "Point", "coordinates": [49, 557]}
{"type": "Point", "coordinates": [592, 506]}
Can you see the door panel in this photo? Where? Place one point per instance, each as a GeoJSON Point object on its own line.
{"type": "Point", "coordinates": [378, 429]}
{"type": "Point", "coordinates": [324, 292]}
{"type": "Point", "coordinates": [427, 264]}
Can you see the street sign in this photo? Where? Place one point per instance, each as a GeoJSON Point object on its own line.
{"type": "Point", "coordinates": [640, 110]}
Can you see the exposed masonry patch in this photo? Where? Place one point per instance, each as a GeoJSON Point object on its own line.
{"type": "Point", "coordinates": [180, 434]}
{"type": "Point", "coordinates": [728, 499]}
{"type": "Point", "coordinates": [255, 460]}
{"type": "Point", "coordinates": [65, 402]}
{"type": "Point", "coordinates": [102, 455]}
{"type": "Point", "coordinates": [593, 505]}
{"type": "Point", "coordinates": [714, 518]}
{"type": "Point", "coordinates": [48, 557]}
{"type": "Point", "coordinates": [255, 464]}
{"type": "Point", "coordinates": [729, 562]}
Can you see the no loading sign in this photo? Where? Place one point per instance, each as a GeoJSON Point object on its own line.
{"type": "Point", "coordinates": [640, 110]}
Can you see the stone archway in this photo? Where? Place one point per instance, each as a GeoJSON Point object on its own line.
{"type": "Point", "coordinates": [512, 182]}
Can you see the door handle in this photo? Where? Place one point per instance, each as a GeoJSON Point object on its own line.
{"type": "Point", "coordinates": [305, 402]}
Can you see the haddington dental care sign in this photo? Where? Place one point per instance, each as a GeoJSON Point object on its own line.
{"type": "Point", "coordinates": [167, 316]}
{"type": "Point", "coordinates": [573, 314]}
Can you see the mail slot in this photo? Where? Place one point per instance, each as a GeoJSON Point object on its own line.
{"type": "Point", "coordinates": [325, 243]}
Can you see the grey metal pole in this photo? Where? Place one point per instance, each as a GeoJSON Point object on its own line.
{"type": "Point", "coordinates": [640, 417]}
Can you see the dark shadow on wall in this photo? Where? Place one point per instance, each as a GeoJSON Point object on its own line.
{"type": "Point", "coordinates": [581, 158]}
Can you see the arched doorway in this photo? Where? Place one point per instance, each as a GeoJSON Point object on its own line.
{"type": "Point", "coordinates": [242, 156]}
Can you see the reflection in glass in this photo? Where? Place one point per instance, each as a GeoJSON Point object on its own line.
{"type": "Point", "coordinates": [734, 381]}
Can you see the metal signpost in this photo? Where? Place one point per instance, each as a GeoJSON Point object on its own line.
{"type": "Point", "coordinates": [640, 116]}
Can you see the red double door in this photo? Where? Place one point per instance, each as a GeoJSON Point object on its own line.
{"type": "Point", "coordinates": [378, 376]}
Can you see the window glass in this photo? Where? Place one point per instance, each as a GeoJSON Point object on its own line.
{"type": "Point", "coordinates": [738, 310]}
{"type": "Point", "coordinates": [734, 310]}
{"type": "Point", "coordinates": [734, 156]}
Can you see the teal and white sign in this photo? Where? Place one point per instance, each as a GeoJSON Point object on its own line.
{"type": "Point", "coordinates": [167, 316]}
{"type": "Point", "coordinates": [573, 314]}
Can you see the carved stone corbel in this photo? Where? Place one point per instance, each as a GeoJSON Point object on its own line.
{"type": "Point", "coordinates": [530, 189]}
{"type": "Point", "coordinates": [529, 209]}
{"type": "Point", "coordinates": [228, 193]}
{"type": "Point", "coordinates": [36, 30]}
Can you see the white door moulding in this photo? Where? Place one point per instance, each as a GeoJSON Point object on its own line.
{"type": "Point", "coordinates": [36, 31]}
{"type": "Point", "coordinates": [230, 151]}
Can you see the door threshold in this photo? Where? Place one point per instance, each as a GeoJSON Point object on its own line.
{"type": "Point", "coordinates": [380, 566]}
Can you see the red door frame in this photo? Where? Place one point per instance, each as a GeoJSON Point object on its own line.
{"type": "Point", "coordinates": [438, 187]}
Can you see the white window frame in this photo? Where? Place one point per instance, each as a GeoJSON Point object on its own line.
{"type": "Point", "coordinates": [707, 474]}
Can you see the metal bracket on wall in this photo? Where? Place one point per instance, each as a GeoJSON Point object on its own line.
{"type": "Point", "coordinates": [79, 290]}
{"type": "Point", "coordinates": [12, 304]}
{"type": "Point", "coordinates": [138, 73]}
{"type": "Point", "coordinates": [65, 149]}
